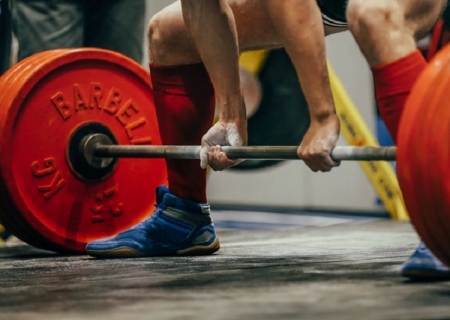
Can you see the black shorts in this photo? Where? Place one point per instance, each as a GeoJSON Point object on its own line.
{"type": "Point", "coordinates": [334, 12]}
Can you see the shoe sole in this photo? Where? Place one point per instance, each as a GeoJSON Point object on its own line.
{"type": "Point", "coordinates": [424, 275]}
{"type": "Point", "coordinates": [201, 250]}
{"type": "Point", "coordinates": [122, 252]}
{"type": "Point", "coordinates": [127, 252]}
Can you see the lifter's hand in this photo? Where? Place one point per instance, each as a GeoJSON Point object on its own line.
{"type": "Point", "coordinates": [222, 134]}
{"type": "Point", "coordinates": [318, 142]}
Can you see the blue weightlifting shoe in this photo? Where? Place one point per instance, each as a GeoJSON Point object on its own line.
{"type": "Point", "coordinates": [422, 265]}
{"type": "Point", "coordinates": [177, 227]}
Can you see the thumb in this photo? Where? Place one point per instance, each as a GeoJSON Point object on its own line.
{"type": "Point", "coordinates": [204, 156]}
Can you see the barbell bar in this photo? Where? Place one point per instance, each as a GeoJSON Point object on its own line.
{"type": "Point", "coordinates": [96, 146]}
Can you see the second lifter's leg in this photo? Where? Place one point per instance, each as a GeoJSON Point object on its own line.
{"type": "Point", "coordinates": [386, 31]}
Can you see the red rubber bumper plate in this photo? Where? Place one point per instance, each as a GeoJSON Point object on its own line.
{"type": "Point", "coordinates": [53, 96]}
{"type": "Point", "coordinates": [424, 155]}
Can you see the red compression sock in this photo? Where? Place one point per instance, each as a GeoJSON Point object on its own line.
{"type": "Point", "coordinates": [393, 83]}
{"type": "Point", "coordinates": [185, 106]}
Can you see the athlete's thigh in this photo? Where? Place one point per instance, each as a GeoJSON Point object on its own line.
{"type": "Point", "coordinates": [421, 15]}
{"type": "Point", "coordinates": [254, 25]}
{"type": "Point", "coordinates": [170, 41]}
{"type": "Point", "coordinates": [255, 28]}
{"type": "Point", "coordinates": [418, 16]}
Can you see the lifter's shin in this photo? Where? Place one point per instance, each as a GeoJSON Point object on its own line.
{"type": "Point", "coordinates": [393, 84]}
{"type": "Point", "coordinates": [185, 105]}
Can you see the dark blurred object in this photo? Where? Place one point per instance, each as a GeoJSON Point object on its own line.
{"type": "Point", "coordinates": [5, 234]}
{"type": "Point", "coordinates": [5, 36]}
{"type": "Point", "coordinates": [441, 34]}
{"type": "Point", "coordinates": [446, 18]}
{"type": "Point", "coordinates": [117, 25]}
{"type": "Point", "coordinates": [282, 117]}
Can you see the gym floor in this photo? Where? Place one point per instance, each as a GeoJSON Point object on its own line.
{"type": "Point", "coordinates": [311, 266]}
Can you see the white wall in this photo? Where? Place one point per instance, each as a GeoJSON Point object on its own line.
{"type": "Point", "coordinates": [291, 184]}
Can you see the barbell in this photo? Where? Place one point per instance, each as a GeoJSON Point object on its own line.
{"type": "Point", "coordinates": [68, 115]}
{"type": "Point", "coordinates": [96, 146]}
{"type": "Point", "coordinates": [97, 151]}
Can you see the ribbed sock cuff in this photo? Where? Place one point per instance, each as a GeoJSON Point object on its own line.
{"type": "Point", "coordinates": [398, 76]}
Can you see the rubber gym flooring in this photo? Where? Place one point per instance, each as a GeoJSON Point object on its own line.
{"type": "Point", "coordinates": [306, 266]}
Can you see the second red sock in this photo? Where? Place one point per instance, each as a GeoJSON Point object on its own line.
{"type": "Point", "coordinates": [393, 83]}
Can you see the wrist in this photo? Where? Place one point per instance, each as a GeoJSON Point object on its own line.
{"type": "Point", "coordinates": [323, 115]}
{"type": "Point", "coordinates": [232, 110]}
{"type": "Point", "coordinates": [237, 121]}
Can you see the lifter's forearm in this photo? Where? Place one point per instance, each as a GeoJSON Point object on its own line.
{"type": "Point", "coordinates": [299, 23]}
{"type": "Point", "coordinates": [211, 24]}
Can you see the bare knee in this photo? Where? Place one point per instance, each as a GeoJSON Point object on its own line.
{"type": "Point", "coordinates": [168, 39]}
{"type": "Point", "coordinates": [156, 38]}
{"type": "Point", "coordinates": [160, 38]}
{"type": "Point", "coordinates": [424, 16]}
{"type": "Point", "coordinates": [412, 17]}
{"type": "Point", "coordinates": [369, 17]}
{"type": "Point", "coordinates": [381, 30]}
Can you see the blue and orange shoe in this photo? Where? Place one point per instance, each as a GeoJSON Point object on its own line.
{"type": "Point", "coordinates": [422, 265]}
{"type": "Point", "coordinates": [177, 227]}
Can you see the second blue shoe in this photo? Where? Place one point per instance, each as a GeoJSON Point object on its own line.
{"type": "Point", "coordinates": [177, 227]}
{"type": "Point", "coordinates": [423, 265]}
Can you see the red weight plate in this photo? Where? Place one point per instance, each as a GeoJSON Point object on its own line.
{"type": "Point", "coordinates": [15, 222]}
{"type": "Point", "coordinates": [11, 83]}
{"type": "Point", "coordinates": [64, 93]}
{"type": "Point", "coordinates": [430, 177]}
{"type": "Point", "coordinates": [423, 155]}
{"type": "Point", "coordinates": [419, 157]}
{"type": "Point", "coordinates": [10, 80]}
{"type": "Point", "coordinates": [439, 159]}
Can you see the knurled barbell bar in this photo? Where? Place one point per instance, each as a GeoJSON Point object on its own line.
{"type": "Point", "coordinates": [66, 116]}
{"type": "Point", "coordinates": [99, 150]}
{"type": "Point", "coordinates": [94, 155]}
